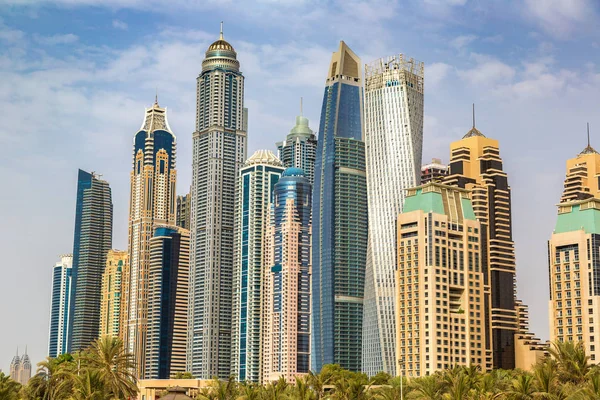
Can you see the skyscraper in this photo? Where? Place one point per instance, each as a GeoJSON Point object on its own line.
{"type": "Point", "coordinates": [117, 267]}
{"type": "Point", "coordinates": [339, 243]}
{"type": "Point", "coordinates": [394, 142]}
{"type": "Point", "coordinates": [475, 164]}
{"type": "Point", "coordinates": [254, 200]}
{"type": "Point", "coordinates": [60, 303]}
{"type": "Point", "coordinates": [93, 239]}
{"type": "Point", "coordinates": [168, 288]}
{"type": "Point", "coordinates": [299, 149]}
{"type": "Point", "coordinates": [183, 211]}
{"type": "Point", "coordinates": [152, 203]}
{"type": "Point", "coordinates": [440, 316]}
{"type": "Point", "coordinates": [20, 368]}
{"type": "Point", "coordinates": [286, 342]}
{"type": "Point", "coordinates": [219, 150]}
{"type": "Point", "coordinates": [574, 257]}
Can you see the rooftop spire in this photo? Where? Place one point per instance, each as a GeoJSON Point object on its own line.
{"type": "Point", "coordinates": [156, 97]}
{"type": "Point", "coordinates": [474, 131]}
{"type": "Point", "coordinates": [301, 114]}
{"type": "Point", "coordinates": [589, 149]}
{"type": "Point", "coordinates": [221, 34]}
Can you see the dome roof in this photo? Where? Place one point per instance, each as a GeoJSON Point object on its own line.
{"type": "Point", "coordinates": [221, 44]}
{"type": "Point", "coordinates": [263, 157]}
{"type": "Point", "coordinates": [301, 128]}
{"type": "Point", "coordinates": [292, 171]}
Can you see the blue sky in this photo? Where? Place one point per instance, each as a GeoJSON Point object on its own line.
{"type": "Point", "coordinates": [75, 76]}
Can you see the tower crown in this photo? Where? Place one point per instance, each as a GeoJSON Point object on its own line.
{"type": "Point", "coordinates": [263, 157]}
{"type": "Point", "coordinates": [220, 54]}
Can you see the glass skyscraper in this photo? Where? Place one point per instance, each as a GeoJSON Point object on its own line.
{"type": "Point", "coordinates": [299, 149]}
{"type": "Point", "coordinates": [152, 203]}
{"type": "Point", "coordinates": [253, 204]}
{"type": "Point", "coordinates": [59, 306]}
{"type": "Point", "coordinates": [394, 141]}
{"type": "Point", "coordinates": [286, 343]}
{"type": "Point", "coordinates": [219, 151]}
{"type": "Point", "coordinates": [93, 239]}
{"type": "Point", "coordinates": [168, 288]}
{"type": "Point", "coordinates": [339, 243]}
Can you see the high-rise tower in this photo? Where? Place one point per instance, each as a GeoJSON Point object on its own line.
{"type": "Point", "coordinates": [394, 142]}
{"type": "Point", "coordinates": [111, 317]}
{"type": "Point", "coordinates": [574, 257]}
{"type": "Point", "coordinates": [339, 243]}
{"type": "Point", "coordinates": [440, 317]}
{"type": "Point", "coordinates": [254, 200]}
{"type": "Point", "coordinates": [168, 287]}
{"type": "Point", "coordinates": [219, 150]}
{"type": "Point", "coordinates": [59, 306]}
{"type": "Point", "coordinates": [475, 164]}
{"type": "Point", "coordinates": [93, 239]}
{"type": "Point", "coordinates": [183, 211]}
{"type": "Point", "coordinates": [152, 203]}
{"type": "Point", "coordinates": [286, 339]}
{"type": "Point", "coordinates": [299, 149]}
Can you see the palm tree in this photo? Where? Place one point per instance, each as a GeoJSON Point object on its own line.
{"type": "Point", "coordinates": [458, 384]}
{"type": "Point", "coordinates": [427, 387]}
{"type": "Point", "coordinates": [52, 379]}
{"type": "Point", "coordinates": [591, 389]}
{"type": "Point", "coordinates": [250, 391]}
{"type": "Point", "coordinates": [9, 389]}
{"type": "Point", "coordinates": [317, 382]}
{"type": "Point", "coordinates": [572, 361]}
{"type": "Point", "coordinates": [89, 385]}
{"type": "Point", "coordinates": [523, 387]}
{"type": "Point", "coordinates": [302, 389]}
{"type": "Point", "coordinates": [114, 365]}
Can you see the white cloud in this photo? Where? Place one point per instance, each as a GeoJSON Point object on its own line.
{"type": "Point", "coordinates": [436, 73]}
{"type": "Point", "coordinates": [118, 24]}
{"type": "Point", "coordinates": [68, 38]}
{"type": "Point", "coordinates": [496, 39]}
{"type": "Point", "coordinates": [462, 41]}
{"type": "Point", "coordinates": [10, 35]}
{"type": "Point", "coordinates": [562, 18]}
{"type": "Point", "coordinates": [446, 2]}
{"type": "Point", "coordinates": [487, 71]}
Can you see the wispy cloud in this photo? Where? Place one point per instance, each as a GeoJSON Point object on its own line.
{"type": "Point", "coordinates": [462, 41]}
{"type": "Point", "coordinates": [118, 24]}
{"type": "Point", "coordinates": [67, 38]}
{"type": "Point", "coordinates": [562, 18]}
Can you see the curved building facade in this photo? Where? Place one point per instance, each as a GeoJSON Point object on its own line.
{"type": "Point", "coordinates": [394, 142]}
{"type": "Point", "coordinates": [254, 200]}
{"type": "Point", "coordinates": [339, 243]}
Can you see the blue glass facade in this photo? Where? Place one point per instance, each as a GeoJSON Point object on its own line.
{"type": "Point", "coordinates": [59, 307]}
{"type": "Point", "coordinates": [92, 240]}
{"type": "Point", "coordinates": [339, 239]}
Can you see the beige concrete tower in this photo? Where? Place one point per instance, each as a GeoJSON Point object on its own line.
{"type": "Point", "coordinates": [117, 264]}
{"type": "Point", "coordinates": [152, 203]}
{"type": "Point", "coordinates": [574, 256]}
{"type": "Point", "coordinates": [440, 290]}
{"type": "Point", "coordinates": [475, 164]}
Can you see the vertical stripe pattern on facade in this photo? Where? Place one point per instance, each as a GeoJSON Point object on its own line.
{"type": "Point", "coordinates": [219, 150]}
{"type": "Point", "coordinates": [394, 141]}
{"type": "Point", "coordinates": [339, 242]}
{"type": "Point", "coordinates": [93, 239]}
{"type": "Point", "coordinates": [59, 306]}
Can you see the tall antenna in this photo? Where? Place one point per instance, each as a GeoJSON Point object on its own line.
{"type": "Point", "coordinates": [301, 114]}
{"type": "Point", "coordinates": [156, 97]}
{"type": "Point", "coordinates": [221, 35]}
{"type": "Point", "coordinates": [473, 115]}
{"type": "Point", "coordinates": [588, 132]}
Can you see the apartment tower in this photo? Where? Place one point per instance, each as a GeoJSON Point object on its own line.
{"type": "Point", "coordinates": [254, 199]}
{"type": "Point", "coordinates": [394, 143]}
{"type": "Point", "coordinates": [183, 211]}
{"type": "Point", "coordinates": [339, 243]}
{"type": "Point", "coordinates": [152, 203]}
{"type": "Point", "coordinates": [287, 330]}
{"type": "Point", "coordinates": [475, 164]}
{"type": "Point", "coordinates": [574, 256]}
{"type": "Point", "coordinates": [168, 289]}
{"type": "Point", "coordinates": [299, 149]}
{"type": "Point", "coordinates": [219, 151]}
{"type": "Point", "coordinates": [111, 306]}
{"type": "Point", "coordinates": [60, 303]}
{"type": "Point", "coordinates": [435, 171]}
{"type": "Point", "coordinates": [93, 239]}
{"type": "Point", "coordinates": [440, 316]}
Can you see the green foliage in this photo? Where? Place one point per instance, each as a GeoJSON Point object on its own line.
{"type": "Point", "coordinates": [103, 372]}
